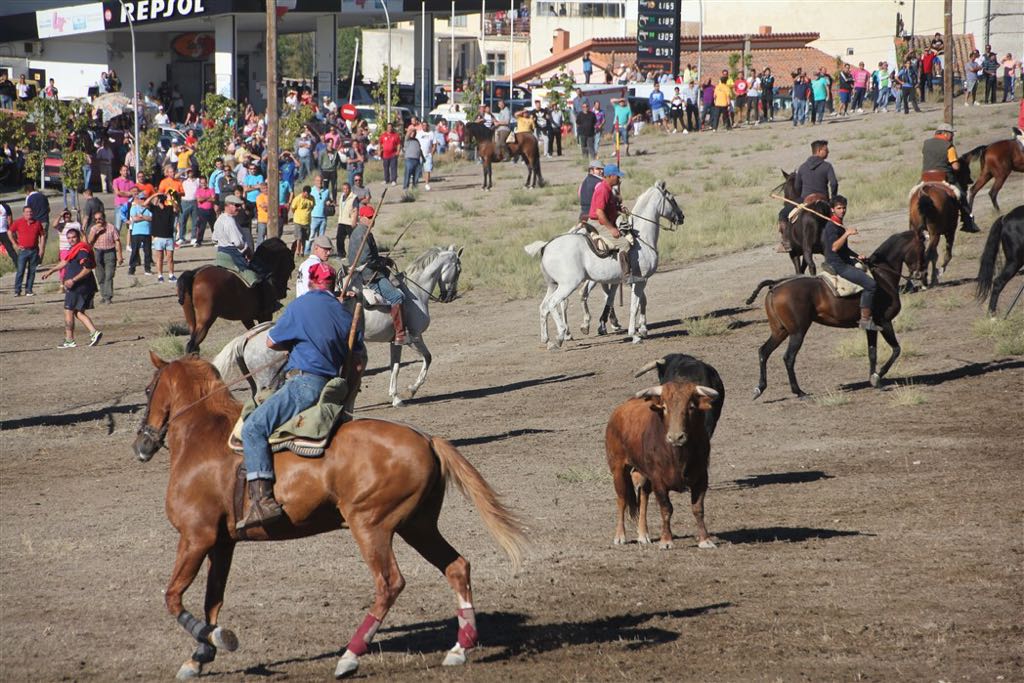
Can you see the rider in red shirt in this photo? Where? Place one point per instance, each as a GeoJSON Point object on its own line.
{"type": "Point", "coordinates": [604, 210]}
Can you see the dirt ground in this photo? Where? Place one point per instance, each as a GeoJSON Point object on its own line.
{"type": "Point", "coordinates": [862, 534]}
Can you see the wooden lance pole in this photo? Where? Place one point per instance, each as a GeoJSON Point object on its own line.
{"type": "Point", "coordinates": [273, 172]}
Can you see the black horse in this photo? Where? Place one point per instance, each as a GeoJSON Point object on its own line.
{"type": "Point", "coordinates": [1007, 232]}
{"type": "Point", "coordinates": [804, 236]}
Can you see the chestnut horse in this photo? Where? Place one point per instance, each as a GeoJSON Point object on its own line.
{"type": "Point", "coordinates": [211, 292]}
{"type": "Point", "coordinates": [490, 151]}
{"type": "Point", "coordinates": [935, 210]}
{"type": "Point", "coordinates": [377, 478]}
{"type": "Point", "coordinates": [794, 303]}
{"type": "Point", "coordinates": [998, 160]}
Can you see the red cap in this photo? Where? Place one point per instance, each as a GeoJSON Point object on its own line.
{"type": "Point", "coordinates": [366, 211]}
{"type": "Point", "coordinates": [321, 276]}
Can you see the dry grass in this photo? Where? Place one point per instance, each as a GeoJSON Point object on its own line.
{"type": "Point", "coordinates": [907, 395]}
{"type": "Point", "coordinates": [584, 475]}
{"type": "Point", "coordinates": [173, 330]}
{"type": "Point", "coordinates": [906, 321]}
{"type": "Point", "coordinates": [832, 398]}
{"type": "Point", "coordinates": [1008, 334]}
{"type": "Point", "coordinates": [706, 326]}
{"type": "Point", "coordinates": [167, 346]}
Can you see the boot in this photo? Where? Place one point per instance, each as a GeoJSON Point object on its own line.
{"type": "Point", "coordinates": [396, 319]}
{"type": "Point", "coordinates": [784, 246]}
{"type": "Point", "coordinates": [624, 265]}
{"type": "Point", "coordinates": [866, 323]}
{"type": "Point", "coordinates": [967, 223]}
{"type": "Point", "coordinates": [263, 508]}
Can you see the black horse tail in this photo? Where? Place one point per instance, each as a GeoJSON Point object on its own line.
{"type": "Point", "coordinates": [988, 259]}
{"type": "Point", "coordinates": [976, 153]}
{"type": "Point", "coordinates": [762, 285]}
{"type": "Point", "coordinates": [926, 210]}
{"type": "Point", "coordinates": [185, 281]}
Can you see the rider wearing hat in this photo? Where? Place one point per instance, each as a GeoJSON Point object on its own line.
{"type": "Point", "coordinates": [940, 162]}
{"type": "Point", "coordinates": [375, 269]}
{"type": "Point", "coordinates": [314, 329]}
{"type": "Point", "coordinates": [586, 192]}
{"type": "Point", "coordinates": [605, 207]}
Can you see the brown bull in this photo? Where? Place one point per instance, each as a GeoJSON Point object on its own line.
{"type": "Point", "coordinates": [657, 441]}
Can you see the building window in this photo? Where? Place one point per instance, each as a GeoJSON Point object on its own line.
{"type": "Point", "coordinates": [496, 64]}
{"type": "Point", "coordinates": [459, 21]}
{"type": "Point", "coordinates": [599, 10]}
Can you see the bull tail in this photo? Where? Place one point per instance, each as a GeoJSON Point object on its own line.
{"type": "Point", "coordinates": [502, 523]}
{"type": "Point", "coordinates": [760, 286]}
{"type": "Point", "coordinates": [185, 282]}
{"type": "Point", "coordinates": [988, 259]}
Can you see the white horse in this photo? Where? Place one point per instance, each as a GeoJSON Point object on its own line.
{"type": "Point", "coordinates": [438, 265]}
{"type": "Point", "coordinates": [567, 261]}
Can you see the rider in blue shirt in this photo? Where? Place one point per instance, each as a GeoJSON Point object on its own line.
{"type": "Point", "coordinates": [314, 328]}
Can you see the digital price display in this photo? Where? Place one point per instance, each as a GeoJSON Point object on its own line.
{"type": "Point", "coordinates": [657, 39]}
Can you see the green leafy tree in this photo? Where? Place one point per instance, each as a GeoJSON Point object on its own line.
{"type": "Point", "coordinates": [147, 147]}
{"type": "Point", "coordinates": [224, 112]}
{"type": "Point", "coordinates": [559, 89]}
{"type": "Point", "coordinates": [380, 95]}
{"type": "Point", "coordinates": [473, 90]}
{"type": "Point", "coordinates": [290, 125]}
{"type": "Point", "coordinates": [734, 64]}
{"type": "Point", "coordinates": [52, 121]}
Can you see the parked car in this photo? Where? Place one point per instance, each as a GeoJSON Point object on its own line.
{"type": "Point", "coordinates": [498, 90]}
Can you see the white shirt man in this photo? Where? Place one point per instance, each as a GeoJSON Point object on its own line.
{"type": "Point", "coordinates": [161, 118]}
{"type": "Point", "coordinates": [226, 234]}
{"type": "Point", "coordinates": [321, 250]}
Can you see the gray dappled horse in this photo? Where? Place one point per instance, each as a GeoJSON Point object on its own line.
{"type": "Point", "coordinates": [436, 266]}
{"type": "Point", "coordinates": [567, 262]}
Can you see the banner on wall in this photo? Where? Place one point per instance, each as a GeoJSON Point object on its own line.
{"type": "Point", "coordinates": [66, 21]}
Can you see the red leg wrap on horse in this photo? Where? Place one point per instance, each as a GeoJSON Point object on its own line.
{"type": "Point", "coordinates": [467, 628]}
{"type": "Point", "coordinates": [360, 642]}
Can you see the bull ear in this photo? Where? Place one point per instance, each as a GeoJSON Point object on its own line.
{"type": "Point", "coordinates": [784, 174]}
{"type": "Point", "coordinates": [649, 392]}
{"type": "Point", "coordinates": [156, 360]}
{"type": "Point", "coordinates": [707, 392]}
{"type": "Point", "coordinates": [460, 252]}
{"type": "Point", "coordinates": [705, 403]}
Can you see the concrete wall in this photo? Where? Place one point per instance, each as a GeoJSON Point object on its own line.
{"type": "Point", "coordinates": [73, 63]}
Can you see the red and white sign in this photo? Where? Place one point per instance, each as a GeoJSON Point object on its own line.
{"type": "Point", "coordinates": [349, 112]}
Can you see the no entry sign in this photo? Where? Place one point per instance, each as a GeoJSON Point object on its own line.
{"type": "Point", "coordinates": [348, 112]}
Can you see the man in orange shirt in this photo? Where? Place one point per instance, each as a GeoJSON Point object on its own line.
{"type": "Point", "coordinates": [169, 183]}
{"type": "Point", "coordinates": [144, 185]}
{"type": "Point", "coordinates": [262, 214]}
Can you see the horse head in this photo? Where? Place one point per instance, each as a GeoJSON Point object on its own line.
{"type": "Point", "coordinates": [451, 269]}
{"type": "Point", "coordinates": [903, 248]}
{"type": "Point", "coordinates": [788, 186]}
{"type": "Point", "coordinates": [276, 258]}
{"type": "Point", "coordinates": [668, 208]}
{"type": "Point", "coordinates": [153, 427]}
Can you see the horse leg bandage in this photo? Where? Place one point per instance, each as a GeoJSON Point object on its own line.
{"type": "Point", "coordinates": [467, 628]}
{"type": "Point", "coordinates": [205, 653]}
{"type": "Point", "coordinates": [197, 628]}
{"type": "Point", "coordinates": [360, 642]}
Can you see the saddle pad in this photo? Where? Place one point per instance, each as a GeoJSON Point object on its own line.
{"type": "Point", "coordinates": [309, 432]}
{"type": "Point", "coordinates": [840, 286]}
{"type": "Point", "coordinates": [595, 242]}
{"type": "Point", "coordinates": [952, 190]}
{"type": "Point", "coordinates": [371, 297]}
{"type": "Point", "coordinates": [224, 261]}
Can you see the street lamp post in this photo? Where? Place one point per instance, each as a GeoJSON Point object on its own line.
{"type": "Point", "coordinates": [387, 17]}
{"type": "Point", "coordinates": [700, 42]}
{"type": "Point", "coordinates": [135, 93]}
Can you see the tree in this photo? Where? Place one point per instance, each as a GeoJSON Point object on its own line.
{"type": "Point", "coordinates": [559, 89]}
{"type": "Point", "coordinates": [380, 93]}
{"type": "Point", "coordinates": [51, 121]}
{"type": "Point", "coordinates": [211, 146]}
{"type": "Point", "coordinates": [473, 90]}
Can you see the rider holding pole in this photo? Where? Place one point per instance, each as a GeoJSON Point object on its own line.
{"type": "Point", "coordinates": [605, 207]}
{"type": "Point", "coordinates": [841, 258]}
{"type": "Point", "coordinates": [375, 268]}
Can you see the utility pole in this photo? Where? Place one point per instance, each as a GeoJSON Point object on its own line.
{"type": "Point", "coordinates": [273, 174]}
{"type": "Point", "coordinates": [947, 64]}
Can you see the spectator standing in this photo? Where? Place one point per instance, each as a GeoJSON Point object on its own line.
{"type": "Point", "coordinates": [906, 81]}
{"type": "Point", "coordinates": [860, 87]}
{"type": "Point", "coordinates": [347, 208]}
{"type": "Point", "coordinates": [328, 161]}
{"type": "Point", "coordinates": [600, 121]}
{"type": "Point", "coordinates": [990, 70]}
{"type": "Point", "coordinates": [691, 97]}
{"type": "Point", "coordinates": [105, 240]}
{"type": "Point", "coordinates": [189, 209]}
{"type": "Point", "coordinates": [356, 157]}
{"type": "Point", "coordinates": [5, 238]}
{"type": "Point", "coordinates": [62, 224]}
{"type": "Point", "coordinates": [79, 289]}
{"type": "Point", "coordinates": [92, 205]}
{"type": "Point", "coordinates": [845, 90]}
{"type": "Point", "coordinates": [304, 150]}
{"type": "Point", "coordinates": [205, 199]}
{"type": "Point", "coordinates": [927, 70]}
{"type": "Point", "coordinates": [7, 92]}
{"type": "Point", "coordinates": [426, 139]}
{"type": "Point", "coordinates": [707, 103]}
{"type": "Point", "coordinates": [676, 108]}
{"type": "Point", "coordinates": [164, 211]}
{"type": "Point", "coordinates": [586, 124]}
{"type": "Point", "coordinates": [819, 93]}
{"type": "Point", "coordinates": [23, 89]}
{"type": "Point", "coordinates": [656, 100]}
{"type": "Point", "coordinates": [973, 75]}
{"type": "Point", "coordinates": [30, 237]}
{"type": "Point", "coordinates": [302, 216]}
{"type": "Point", "coordinates": [588, 67]}
{"type": "Point", "coordinates": [1009, 67]}
{"type": "Point", "coordinates": [104, 165]}
{"type": "Point", "coordinates": [768, 94]}
{"type": "Point", "coordinates": [39, 204]}
{"type": "Point", "coordinates": [213, 182]}
{"type": "Point", "coordinates": [753, 98]}
{"type": "Point", "coordinates": [722, 94]}
{"type": "Point", "coordinates": [880, 84]}
{"type": "Point", "coordinates": [141, 244]}
{"type": "Point", "coordinates": [318, 218]}
{"type": "Point", "coordinates": [555, 136]}
{"type": "Point", "coordinates": [262, 215]}
{"type": "Point", "coordinates": [363, 195]}
{"type": "Point", "coordinates": [739, 92]}
{"type": "Point", "coordinates": [413, 154]}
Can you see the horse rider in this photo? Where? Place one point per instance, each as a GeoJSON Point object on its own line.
{"type": "Point", "coordinates": [230, 242]}
{"type": "Point", "coordinates": [586, 192]}
{"type": "Point", "coordinates": [841, 258]}
{"type": "Point", "coordinates": [815, 181]}
{"type": "Point", "coordinates": [314, 329]}
{"type": "Point", "coordinates": [940, 161]}
{"type": "Point", "coordinates": [605, 207]}
{"type": "Point", "coordinates": [375, 269]}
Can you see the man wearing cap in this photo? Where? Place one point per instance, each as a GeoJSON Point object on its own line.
{"type": "Point", "coordinates": [314, 329]}
{"type": "Point", "coordinates": [939, 160]}
{"type": "Point", "coordinates": [586, 192]}
{"type": "Point", "coordinates": [227, 236]}
{"type": "Point", "coordinates": [321, 250]}
{"type": "Point", "coordinates": [605, 207]}
{"type": "Point", "coordinates": [374, 269]}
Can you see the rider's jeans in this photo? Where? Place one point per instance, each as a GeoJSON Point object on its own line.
{"type": "Point", "coordinates": [297, 394]}
{"type": "Point", "coordinates": [393, 295]}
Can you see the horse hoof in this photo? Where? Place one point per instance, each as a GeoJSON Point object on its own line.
{"type": "Point", "coordinates": [601, 330]}
{"type": "Point", "coordinates": [637, 339]}
{"type": "Point", "coordinates": [642, 332]}
{"type": "Point", "coordinates": [707, 544]}
{"type": "Point", "coordinates": [224, 639]}
{"type": "Point", "coordinates": [642, 540]}
{"type": "Point", "coordinates": [619, 540]}
{"type": "Point", "coordinates": [553, 346]}
{"type": "Point", "coordinates": [875, 380]}
{"type": "Point", "coordinates": [757, 393]}
{"type": "Point", "coordinates": [455, 656]}
{"type": "Point", "coordinates": [665, 545]}
{"type": "Point", "coordinates": [585, 330]}
{"type": "Point", "coordinates": [189, 670]}
{"type": "Point", "coordinates": [347, 665]}
{"type": "Point", "coordinates": [802, 396]}
{"type": "Point", "coordinates": [396, 402]}
{"type": "Point", "coordinates": [616, 328]}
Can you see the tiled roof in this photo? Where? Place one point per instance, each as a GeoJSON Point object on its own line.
{"type": "Point", "coordinates": [625, 49]}
{"type": "Point", "coordinates": [963, 45]}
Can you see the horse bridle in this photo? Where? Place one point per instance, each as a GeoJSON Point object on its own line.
{"type": "Point", "coordinates": [672, 201]}
{"type": "Point", "coordinates": [157, 436]}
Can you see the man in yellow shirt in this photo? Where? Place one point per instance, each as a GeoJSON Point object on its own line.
{"type": "Point", "coordinates": [185, 158]}
{"type": "Point", "coordinates": [302, 216]}
{"type": "Point", "coordinates": [262, 214]}
{"type": "Point", "coordinates": [723, 91]}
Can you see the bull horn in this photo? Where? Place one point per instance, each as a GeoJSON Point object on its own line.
{"type": "Point", "coordinates": [649, 392]}
{"type": "Point", "coordinates": [650, 366]}
{"type": "Point", "coordinates": [707, 391]}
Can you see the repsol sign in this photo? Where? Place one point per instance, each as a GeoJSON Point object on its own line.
{"type": "Point", "coordinates": [155, 10]}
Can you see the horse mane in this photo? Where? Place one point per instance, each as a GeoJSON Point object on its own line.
{"type": "Point", "coordinates": [892, 243]}
{"type": "Point", "coordinates": [420, 263]}
{"type": "Point", "coordinates": [207, 383]}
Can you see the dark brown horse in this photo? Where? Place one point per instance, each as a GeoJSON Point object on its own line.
{"type": "Point", "coordinates": [377, 478]}
{"type": "Point", "coordinates": [1007, 232]}
{"type": "Point", "coordinates": [492, 151]}
{"type": "Point", "coordinates": [998, 160]}
{"type": "Point", "coordinates": [794, 303]}
{"type": "Point", "coordinates": [804, 236]}
{"type": "Point", "coordinates": [935, 211]}
{"type": "Point", "coordinates": [212, 292]}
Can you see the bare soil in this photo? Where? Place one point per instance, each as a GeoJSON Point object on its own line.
{"type": "Point", "coordinates": [867, 540]}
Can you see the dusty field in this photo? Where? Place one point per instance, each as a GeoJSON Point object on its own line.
{"type": "Point", "coordinates": [861, 534]}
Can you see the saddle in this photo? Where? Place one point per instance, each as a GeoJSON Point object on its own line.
{"type": "Point", "coordinates": [808, 200]}
{"type": "Point", "coordinates": [935, 179]}
{"type": "Point", "coordinates": [841, 287]}
{"type": "Point", "coordinates": [596, 242]}
{"type": "Point", "coordinates": [249, 277]}
{"type": "Point", "coordinates": [308, 433]}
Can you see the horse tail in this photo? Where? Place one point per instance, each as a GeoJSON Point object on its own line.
{"type": "Point", "coordinates": [976, 153]}
{"type": "Point", "coordinates": [988, 259]}
{"type": "Point", "coordinates": [926, 210]}
{"type": "Point", "coordinates": [502, 523]}
{"type": "Point", "coordinates": [535, 249]}
{"type": "Point", "coordinates": [185, 283]}
{"type": "Point", "coordinates": [231, 356]}
{"type": "Point", "coordinates": [760, 286]}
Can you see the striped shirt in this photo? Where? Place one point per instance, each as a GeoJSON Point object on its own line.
{"type": "Point", "coordinates": [105, 236]}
